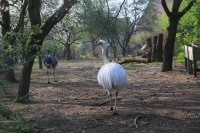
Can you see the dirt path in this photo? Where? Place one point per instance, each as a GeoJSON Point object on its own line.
{"type": "Point", "coordinates": [166, 102]}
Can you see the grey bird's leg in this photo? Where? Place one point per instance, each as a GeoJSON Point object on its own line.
{"type": "Point", "coordinates": [54, 75]}
{"type": "Point", "coordinates": [47, 75]}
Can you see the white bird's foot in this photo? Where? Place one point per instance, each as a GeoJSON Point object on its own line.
{"type": "Point", "coordinates": [115, 113]}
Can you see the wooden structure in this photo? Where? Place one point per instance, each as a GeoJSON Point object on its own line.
{"type": "Point", "coordinates": [159, 48]}
{"type": "Point", "coordinates": [192, 54]}
{"type": "Point", "coordinates": [150, 52]}
{"type": "Point", "coordinates": [132, 59]}
{"type": "Point", "coordinates": [153, 52]}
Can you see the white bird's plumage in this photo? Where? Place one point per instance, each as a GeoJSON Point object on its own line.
{"type": "Point", "coordinates": [111, 76]}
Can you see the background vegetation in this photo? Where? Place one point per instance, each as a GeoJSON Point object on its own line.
{"type": "Point", "coordinates": [74, 34]}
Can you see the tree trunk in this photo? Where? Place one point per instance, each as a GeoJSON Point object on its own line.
{"type": "Point", "coordinates": [168, 49]}
{"type": "Point", "coordinates": [40, 62]}
{"type": "Point", "coordinates": [159, 48]}
{"type": "Point", "coordinates": [69, 53]}
{"type": "Point", "coordinates": [93, 43]}
{"type": "Point", "coordinates": [124, 51]}
{"type": "Point", "coordinates": [35, 19]}
{"type": "Point", "coordinates": [10, 75]}
{"type": "Point", "coordinates": [64, 53]}
{"type": "Point", "coordinates": [24, 83]}
{"type": "Point", "coordinates": [115, 51]}
{"type": "Point", "coordinates": [8, 56]}
{"type": "Point", "coordinates": [153, 52]}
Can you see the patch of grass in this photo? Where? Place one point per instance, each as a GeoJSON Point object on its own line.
{"type": "Point", "coordinates": [9, 114]}
{"type": "Point", "coordinates": [122, 130]}
{"type": "Point", "coordinates": [16, 126]}
{"type": "Point", "coordinates": [13, 122]}
{"type": "Point", "coordinates": [38, 71]}
{"type": "Point", "coordinates": [50, 129]}
{"type": "Point", "coordinates": [155, 63]}
{"type": "Point", "coordinates": [26, 98]}
{"type": "Point", "coordinates": [25, 128]}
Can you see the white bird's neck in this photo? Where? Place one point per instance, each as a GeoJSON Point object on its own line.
{"type": "Point", "coordinates": [105, 59]}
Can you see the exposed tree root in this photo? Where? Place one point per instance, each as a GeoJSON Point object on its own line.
{"type": "Point", "coordinates": [135, 122]}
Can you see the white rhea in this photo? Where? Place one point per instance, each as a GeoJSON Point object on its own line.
{"type": "Point", "coordinates": [111, 76]}
{"type": "Point", "coordinates": [50, 62]}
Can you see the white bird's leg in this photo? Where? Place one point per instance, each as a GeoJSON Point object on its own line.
{"type": "Point", "coordinates": [111, 108]}
{"type": "Point", "coordinates": [115, 113]}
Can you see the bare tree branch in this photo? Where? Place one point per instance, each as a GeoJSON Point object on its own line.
{"type": "Point", "coordinates": [55, 18]}
{"type": "Point", "coordinates": [108, 17]}
{"type": "Point", "coordinates": [188, 7]}
{"type": "Point", "coordinates": [164, 4]}
{"type": "Point", "coordinates": [119, 9]}
{"type": "Point", "coordinates": [22, 14]}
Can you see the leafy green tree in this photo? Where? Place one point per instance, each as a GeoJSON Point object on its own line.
{"type": "Point", "coordinates": [189, 25]}
{"type": "Point", "coordinates": [9, 33]}
{"type": "Point", "coordinates": [174, 16]}
{"type": "Point", "coordinates": [188, 31]}
{"type": "Point", "coordinates": [52, 47]}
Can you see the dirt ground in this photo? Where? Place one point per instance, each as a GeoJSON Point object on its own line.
{"type": "Point", "coordinates": [164, 102]}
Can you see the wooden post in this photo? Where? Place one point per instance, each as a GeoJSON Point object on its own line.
{"type": "Point", "coordinates": [159, 48]}
{"type": "Point", "coordinates": [186, 57]}
{"type": "Point", "coordinates": [153, 49]}
{"type": "Point", "coordinates": [186, 68]}
{"type": "Point", "coordinates": [149, 46]}
{"type": "Point", "coordinates": [149, 43]}
{"type": "Point", "coordinates": [190, 71]}
{"type": "Point", "coordinates": [195, 68]}
{"type": "Point", "coordinates": [192, 54]}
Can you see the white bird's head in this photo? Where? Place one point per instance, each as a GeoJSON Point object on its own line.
{"type": "Point", "coordinates": [103, 44]}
